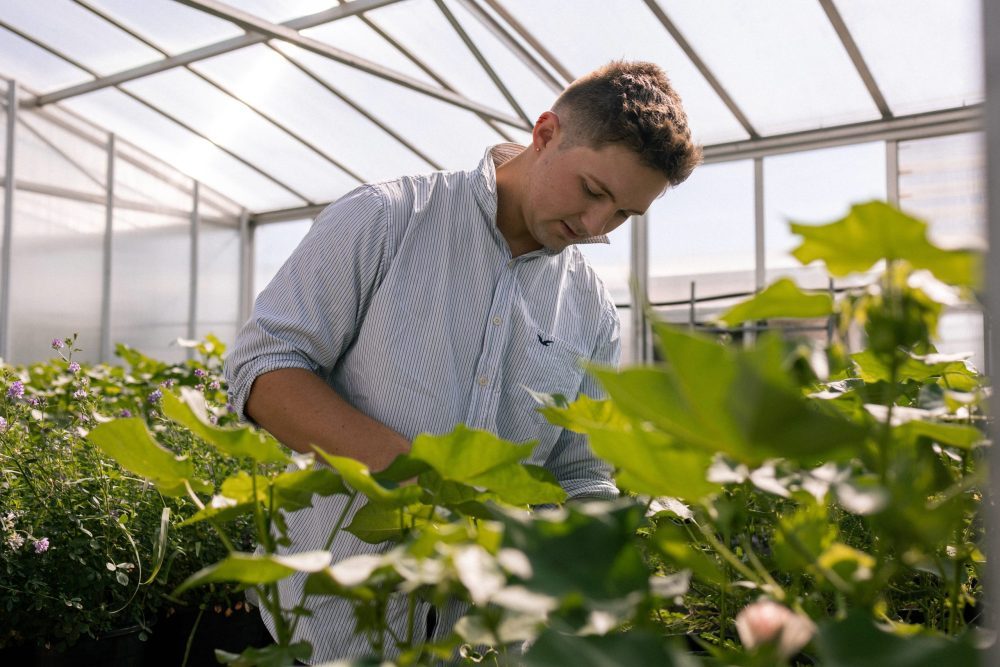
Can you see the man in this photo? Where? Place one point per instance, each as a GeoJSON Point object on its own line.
{"type": "Point", "coordinates": [420, 303]}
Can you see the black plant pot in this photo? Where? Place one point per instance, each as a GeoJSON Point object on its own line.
{"type": "Point", "coordinates": [232, 633]}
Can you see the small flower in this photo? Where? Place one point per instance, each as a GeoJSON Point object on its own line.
{"type": "Point", "coordinates": [230, 408]}
{"type": "Point", "coordinates": [15, 390]}
{"type": "Point", "coordinates": [214, 384]}
{"type": "Point", "coordinates": [74, 367]}
{"type": "Point", "coordinates": [80, 394]}
{"type": "Point", "coordinates": [213, 419]}
{"type": "Point", "coordinates": [3, 425]}
{"type": "Point", "coordinates": [167, 384]}
{"type": "Point", "coordinates": [155, 396]}
{"type": "Point", "coordinates": [15, 541]}
{"type": "Point", "coordinates": [34, 402]}
{"type": "Point", "coordinates": [200, 387]}
{"type": "Point", "coordinates": [765, 622]}
{"type": "Point", "coordinates": [199, 373]}
{"type": "Point", "coordinates": [42, 545]}
{"type": "Point", "coordinates": [125, 413]}
{"type": "Point", "coordinates": [58, 344]}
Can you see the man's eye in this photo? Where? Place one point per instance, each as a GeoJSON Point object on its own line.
{"type": "Point", "coordinates": [589, 192]}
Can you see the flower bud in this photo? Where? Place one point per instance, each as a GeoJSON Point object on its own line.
{"type": "Point", "coordinates": [766, 621]}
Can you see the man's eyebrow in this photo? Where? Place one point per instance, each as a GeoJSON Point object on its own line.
{"type": "Point", "coordinates": [611, 194]}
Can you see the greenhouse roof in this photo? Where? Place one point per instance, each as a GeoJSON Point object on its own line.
{"type": "Point", "coordinates": [284, 105]}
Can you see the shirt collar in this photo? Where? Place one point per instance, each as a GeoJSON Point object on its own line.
{"type": "Point", "coordinates": [485, 187]}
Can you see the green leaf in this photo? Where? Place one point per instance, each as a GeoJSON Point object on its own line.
{"type": "Point", "coordinates": [375, 523]}
{"type": "Point", "coordinates": [682, 553]}
{"type": "Point", "coordinates": [129, 442]}
{"type": "Point", "coordinates": [637, 647]}
{"type": "Point", "coordinates": [874, 231]}
{"type": "Point", "coordinates": [872, 369]}
{"type": "Point", "coordinates": [954, 435]}
{"type": "Point", "coordinates": [253, 569]}
{"type": "Point", "coordinates": [783, 298]}
{"type": "Point", "coordinates": [161, 545]}
{"type": "Point", "coordinates": [466, 453]}
{"type": "Point", "coordinates": [857, 642]}
{"type": "Point", "coordinates": [521, 485]}
{"type": "Point", "coordinates": [585, 413]}
{"type": "Point", "coordinates": [294, 490]}
{"type": "Point", "coordinates": [241, 441]}
{"type": "Point", "coordinates": [269, 656]}
{"type": "Point", "coordinates": [360, 478]}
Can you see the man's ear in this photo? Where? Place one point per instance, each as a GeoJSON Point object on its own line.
{"type": "Point", "coordinates": [546, 129]}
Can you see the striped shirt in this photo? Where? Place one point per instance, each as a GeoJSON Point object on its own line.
{"type": "Point", "coordinates": [405, 299]}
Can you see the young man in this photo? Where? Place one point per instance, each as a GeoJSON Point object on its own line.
{"type": "Point", "coordinates": [420, 303]}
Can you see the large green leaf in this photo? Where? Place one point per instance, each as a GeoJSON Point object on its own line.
{"type": "Point", "coordinates": [872, 369]}
{"type": "Point", "coordinates": [585, 413]}
{"type": "Point", "coordinates": [783, 298]}
{"type": "Point", "coordinates": [637, 647]}
{"type": "Point", "coordinates": [857, 642]}
{"type": "Point", "coordinates": [955, 435]}
{"type": "Point", "coordinates": [129, 442]}
{"type": "Point", "coordinates": [240, 441]}
{"type": "Point", "coordinates": [244, 568]}
{"type": "Point", "coordinates": [360, 478]}
{"type": "Point", "coordinates": [466, 453]}
{"type": "Point", "coordinates": [521, 485]}
{"type": "Point", "coordinates": [375, 523]}
{"type": "Point", "coordinates": [874, 231]}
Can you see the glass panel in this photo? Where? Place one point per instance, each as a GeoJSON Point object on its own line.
{"type": "Point", "coordinates": [431, 125]}
{"type": "Point", "coordinates": [278, 11]}
{"type": "Point", "coordinates": [48, 154]}
{"type": "Point", "coordinates": [82, 35]}
{"type": "Point", "coordinates": [815, 187]}
{"type": "Point", "coordinates": [150, 274]}
{"type": "Point", "coordinates": [218, 282]}
{"type": "Point", "coordinates": [612, 263]}
{"type": "Point", "coordinates": [942, 181]}
{"type": "Point", "coordinates": [961, 331]}
{"type": "Point", "coordinates": [34, 67]}
{"type": "Point", "coordinates": [423, 29]}
{"type": "Point", "coordinates": [56, 274]}
{"type": "Point", "coordinates": [781, 62]}
{"type": "Point", "coordinates": [137, 185]}
{"type": "Point", "coordinates": [170, 25]}
{"type": "Point", "coordinates": [264, 78]}
{"type": "Point", "coordinates": [272, 245]}
{"type": "Point", "coordinates": [924, 54]}
{"type": "Point", "coordinates": [174, 144]}
{"type": "Point", "coordinates": [703, 231]}
{"type": "Point", "coordinates": [229, 123]}
{"type": "Point", "coordinates": [593, 32]}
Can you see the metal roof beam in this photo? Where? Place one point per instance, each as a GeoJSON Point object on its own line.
{"type": "Point", "coordinates": [284, 33]}
{"type": "Point", "coordinates": [855, 54]}
{"type": "Point", "coordinates": [700, 65]}
{"type": "Point", "coordinates": [530, 39]}
{"type": "Point", "coordinates": [202, 53]}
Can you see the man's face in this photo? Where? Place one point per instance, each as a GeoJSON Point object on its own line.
{"type": "Point", "coordinates": [578, 192]}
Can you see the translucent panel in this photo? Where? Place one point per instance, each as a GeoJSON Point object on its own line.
{"type": "Point", "coordinates": [630, 354]}
{"type": "Point", "coordinates": [781, 61]}
{"type": "Point", "coordinates": [218, 282]}
{"type": "Point", "coordinates": [591, 33]}
{"type": "Point", "coordinates": [229, 123]}
{"type": "Point", "coordinates": [56, 273]}
{"type": "Point", "coordinates": [612, 262]}
{"type": "Point", "coordinates": [278, 11]}
{"type": "Point", "coordinates": [352, 35]}
{"type": "Point", "coordinates": [423, 29]}
{"type": "Point", "coordinates": [961, 331]}
{"type": "Point", "coordinates": [943, 181]}
{"type": "Point", "coordinates": [815, 187]}
{"type": "Point", "coordinates": [266, 79]}
{"type": "Point", "coordinates": [924, 54]}
{"type": "Point", "coordinates": [168, 24]}
{"type": "Point", "coordinates": [272, 245]}
{"type": "Point", "coordinates": [34, 67]}
{"type": "Point", "coordinates": [150, 278]}
{"type": "Point", "coordinates": [453, 137]}
{"type": "Point", "coordinates": [48, 154]}
{"type": "Point", "coordinates": [139, 185]}
{"type": "Point", "coordinates": [79, 34]}
{"type": "Point", "coordinates": [703, 231]}
{"type": "Point", "coordinates": [190, 153]}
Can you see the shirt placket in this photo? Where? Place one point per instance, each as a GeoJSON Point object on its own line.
{"type": "Point", "coordinates": [485, 389]}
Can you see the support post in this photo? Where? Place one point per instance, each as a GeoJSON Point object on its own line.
{"type": "Point", "coordinates": [640, 289]}
{"type": "Point", "coordinates": [106, 262]}
{"type": "Point", "coordinates": [8, 221]}
{"type": "Point", "coordinates": [246, 268]}
{"type": "Point", "coordinates": [192, 324]}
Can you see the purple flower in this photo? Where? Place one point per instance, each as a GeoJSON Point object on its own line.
{"type": "Point", "coordinates": [167, 383]}
{"type": "Point", "coordinates": [213, 419]}
{"type": "Point", "coordinates": [3, 425]}
{"type": "Point", "coordinates": [200, 387]}
{"type": "Point", "coordinates": [230, 408]}
{"type": "Point", "coordinates": [16, 390]}
{"type": "Point", "coordinates": [155, 396]}
{"type": "Point", "coordinates": [199, 373]}
{"type": "Point", "coordinates": [80, 393]}
{"type": "Point", "coordinates": [214, 384]}
{"type": "Point", "coordinates": [74, 367]}
{"type": "Point", "coordinates": [125, 413]}
{"type": "Point", "coordinates": [58, 344]}
{"type": "Point", "coordinates": [34, 402]}
{"type": "Point", "coordinates": [42, 545]}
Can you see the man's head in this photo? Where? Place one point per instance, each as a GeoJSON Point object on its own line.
{"type": "Point", "coordinates": [630, 104]}
{"type": "Point", "coordinates": [614, 141]}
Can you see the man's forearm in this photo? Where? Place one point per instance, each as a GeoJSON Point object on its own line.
{"type": "Point", "coordinates": [300, 410]}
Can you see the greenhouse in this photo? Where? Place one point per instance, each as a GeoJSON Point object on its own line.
{"type": "Point", "coordinates": [267, 398]}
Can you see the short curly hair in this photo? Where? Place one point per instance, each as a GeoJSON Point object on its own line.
{"type": "Point", "coordinates": [631, 104]}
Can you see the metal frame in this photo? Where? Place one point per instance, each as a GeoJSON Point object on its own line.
{"type": "Point", "coordinates": [639, 259]}
{"type": "Point", "coordinates": [193, 277]}
{"type": "Point", "coordinates": [833, 15]}
{"type": "Point", "coordinates": [105, 349]}
{"type": "Point", "coordinates": [7, 238]}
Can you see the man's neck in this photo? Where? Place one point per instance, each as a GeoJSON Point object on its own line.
{"type": "Point", "coordinates": [511, 177]}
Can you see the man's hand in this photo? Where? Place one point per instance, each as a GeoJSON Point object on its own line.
{"type": "Point", "coordinates": [301, 410]}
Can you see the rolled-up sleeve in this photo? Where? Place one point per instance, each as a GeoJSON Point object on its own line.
{"type": "Point", "coordinates": [309, 314]}
{"type": "Point", "coordinates": [580, 473]}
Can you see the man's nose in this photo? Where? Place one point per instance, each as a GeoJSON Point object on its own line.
{"type": "Point", "coordinates": [597, 218]}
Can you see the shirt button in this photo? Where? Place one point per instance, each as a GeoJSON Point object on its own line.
{"type": "Point", "coordinates": [483, 381]}
{"type": "Point", "coordinates": [497, 321]}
